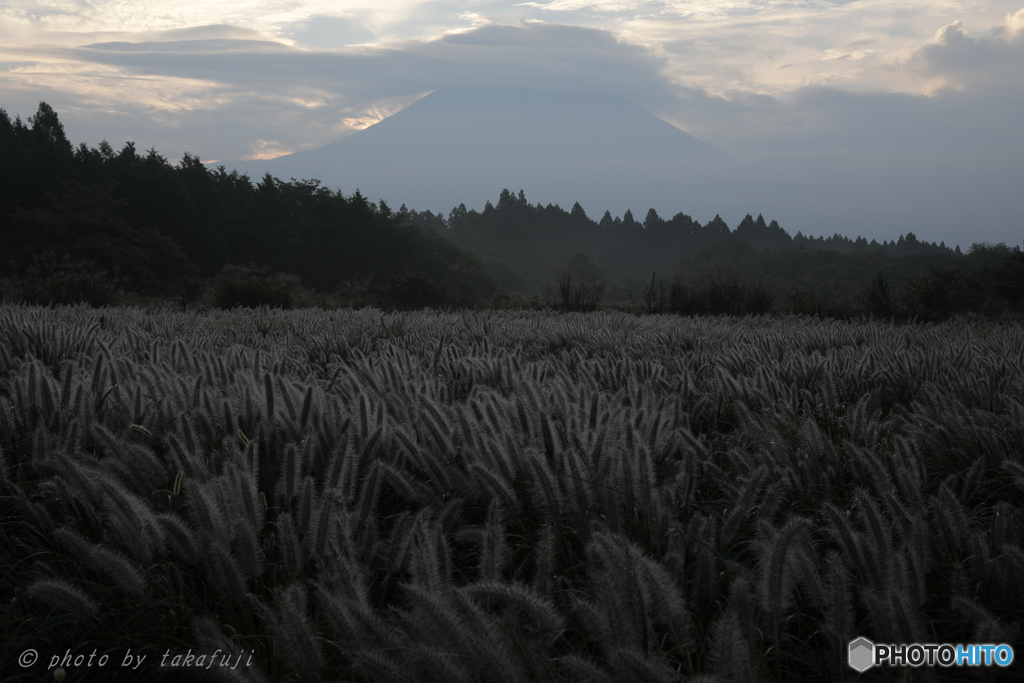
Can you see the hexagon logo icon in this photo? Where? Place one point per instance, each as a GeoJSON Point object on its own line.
{"type": "Point", "coordinates": [861, 655]}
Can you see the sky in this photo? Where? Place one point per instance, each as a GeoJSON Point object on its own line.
{"type": "Point", "coordinates": [863, 103]}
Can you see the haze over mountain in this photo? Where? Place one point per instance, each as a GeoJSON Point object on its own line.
{"type": "Point", "coordinates": [464, 145]}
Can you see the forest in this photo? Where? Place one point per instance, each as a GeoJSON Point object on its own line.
{"type": "Point", "coordinates": [134, 221]}
{"type": "Point", "coordinates": [105, 226]}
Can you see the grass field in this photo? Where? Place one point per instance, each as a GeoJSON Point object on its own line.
{"type": "Point", "coordinates": [504, 496]}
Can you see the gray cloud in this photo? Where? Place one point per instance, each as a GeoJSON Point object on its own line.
{"type": "Point", "coordinates": [239, 94]}
{"type": "Point", "coordinates": [200, 46]}
{"type": "Point", "coordinates": [527, 55]}
{"type": "Point", "coordinates": [10, 66]}
{"type": "Point", "coordinates": [976, 63]}
{"type": "Point", "coordinates": [829, 119]}
{"type": "Point", "coordinates": [329, 32]}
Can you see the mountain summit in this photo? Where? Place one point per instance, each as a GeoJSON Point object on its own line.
{"type": "Point", "coordinates": [457, 146]}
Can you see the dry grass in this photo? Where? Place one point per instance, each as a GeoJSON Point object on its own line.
{"type": "Point", "coordinates": [507, 496]}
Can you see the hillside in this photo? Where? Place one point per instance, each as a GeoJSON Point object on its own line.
{"type": "Point", "coordinates": [455, 144]}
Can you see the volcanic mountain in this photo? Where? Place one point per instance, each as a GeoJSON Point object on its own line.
{"type": "Point", "coordinates": [455, 146]}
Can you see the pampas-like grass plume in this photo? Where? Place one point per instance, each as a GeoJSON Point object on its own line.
{"type": "Point", "coordinates": [64, 596]}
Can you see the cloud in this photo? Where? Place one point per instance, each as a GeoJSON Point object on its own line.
{"type": "Point", "coordinates": [250, 89]}
{"type": "Point", "coordinates": [953, 58]}
{"type": "Point", "coordinates": [523, 55]}
{"type": "Point", "coordinates": [1013, 25]}
{"type": "Point", "coordinates": [329, 32]}
{"type": "Point", "coordinates": [233, 92]}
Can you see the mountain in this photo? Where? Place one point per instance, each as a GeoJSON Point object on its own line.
{"type": "Point", "coordinates": [465, 146]}
{"type": "Point", "coordinates": [455, 146]}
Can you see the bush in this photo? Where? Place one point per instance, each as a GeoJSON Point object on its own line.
{"type": "Point", "coordinates": [415, 291]}
{"type": "Point", "coordinates": [1009, 280]}
{"type": "Point", "coordinates": [191, 290]}
{"type": "Point", "coordinates": [686, 300]}
{"type": "Point", "coordinates": [677, 298]}
{"type": "Point", "coordinates": [879, 299]}
{"type": "Point", "coordinates": [579, 286]}
{"type": "Point", "coordinates": [251, 287]}
{"type": "Point", "coordinates": [514, 301]}
{"type": "Point", "coordinates": [737, 298]}
{"type": "Point", "coordinates": [757, 300]}
{"type": "Point", "coordinates": [825, 304]}
{"type": "Point", "coordinates": [50, 282]}
{"type": "Point", "coordinates": [718, 296]}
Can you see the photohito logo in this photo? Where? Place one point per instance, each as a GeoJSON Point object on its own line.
{"type": "Point", "coordinates": [863, 654]}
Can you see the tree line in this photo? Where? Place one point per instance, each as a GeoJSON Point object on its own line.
{"type": "Point", "coordinates": [80, 218]}
{"type": "Point", "coordinates": [523, 243]}
{"type": "Point", "coordinates": [677, 265]}
{"type": "Point", "coordinates": [104, 225]}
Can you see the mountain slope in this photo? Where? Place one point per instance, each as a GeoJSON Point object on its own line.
{"type": "Point", "coordinates": [464, 145]}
